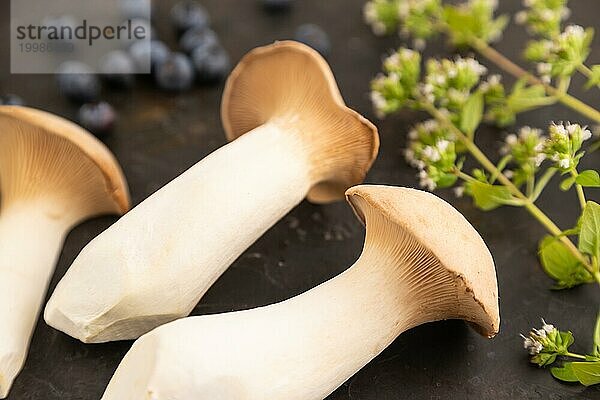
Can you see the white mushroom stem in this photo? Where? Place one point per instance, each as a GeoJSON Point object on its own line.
{"type": "Point", "coordinates": [154, 264]}
{"type": "Point", "coordinates": [30, 245]}
{"type": "Point", "coordinates": [53, 175]}
{"type": "Point", "coordinates": [305, 347]}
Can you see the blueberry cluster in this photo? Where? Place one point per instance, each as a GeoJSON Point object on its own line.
{"type": "Point", "coordinates": [200, 58]}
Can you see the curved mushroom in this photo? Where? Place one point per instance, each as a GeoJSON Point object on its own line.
{"type": "Point", "coordinates": [53, 174]}
{"type": "Point", "coordinates": [421, 262]}
{"type": "Point", "coordinates": [294, 137]}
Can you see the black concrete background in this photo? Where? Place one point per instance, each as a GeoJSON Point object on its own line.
{"type": "Point", "coordinates": [161, 135]}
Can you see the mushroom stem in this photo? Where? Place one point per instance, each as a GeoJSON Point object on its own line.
{"type": "Point", "coordinates": [223, 204]}
{"type": "Point", "coordinates": [30, 243]}
{"type": "Point", "coordinates": [292, 137]}
{"type": "Point", "coordinates": [305, 347]}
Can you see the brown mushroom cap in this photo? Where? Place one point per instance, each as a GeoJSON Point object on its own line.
{"type": "Point", "coordinates": [45, 156]}
{"type": "Point", "coordinates": [441, 232]}
{"type": "Point", "coordinates": [288, 81]}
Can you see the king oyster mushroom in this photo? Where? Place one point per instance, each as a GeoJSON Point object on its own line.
{"type": "Point", "coordinates": [53, 175]}
{"type": "Point", "coordinates": [291, 137]}
{"type": "Point", "coordinates": [422, 262]}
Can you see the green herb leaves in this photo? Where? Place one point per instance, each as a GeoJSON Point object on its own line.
{"type": "Point", "coordinates": [586, 373]}
{"type": "Point", "coordinates": [561, 265]}
{"type": "Point", "coordinates": [589, 237]}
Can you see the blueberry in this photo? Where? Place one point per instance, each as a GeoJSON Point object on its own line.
{"type": "Point", "coordinates": [118, 68]}
{"type": "Point", "coordinates": [146, 54]}
{"type": "Point", "coordinates": [176, 73]}
{"type": "Point", "coordinates": [11, 100]}
{"type": "Point", "coordinates": [277, 5]}
{"type": "Point", "coordinates": [197, 37]}
{"type": "Point", "coordinates": [98, 118]}
{"type": "Point", "coordinates": [315, 37]}
{"type": "Point", "coordinates": [211, 63]}
{"type": "Point", "coordinates": [77, 81]}
{"type": "Point", "coordinates": [187, 15]}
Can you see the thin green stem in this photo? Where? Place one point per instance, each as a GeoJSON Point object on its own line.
{"type": "Point", "coordinates": [509, 66]}
{"type": "Point", "coordinates": [527, 203]}
{"type": "Point", "coordinates": [587, 72]}
{"type": "Point", "coordinates": [579, 189]}
{"type": "Point", "coordinates": [574, 355]}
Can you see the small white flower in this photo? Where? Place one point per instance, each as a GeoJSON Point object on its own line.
{"type": "Point", "coordinates": [511, 139]}
{"type": "Point", "coordinates": [547, 15]}
{"type": "Point", "coordinates": [558, 129]}
{"type": "Point", "coordinates": [586, 134]}
{"type": "Point", "coordinates": [544, 68]}
{"type": "Point", "coordinates": [521, 17]}
{"type": "Point", "coordinates": [431, 153]}
{"type": "Point", "coordinates": [379, 102]}
{"type": "Point", "coordinates": [442, 145]}
{"type": "Point", "coordinates": [564, 162]}
{"type": "Point", "coordinates": [413, 134]}
{"type": "Point", "coordinates": [575, 31]}
{"type": "Point", "coordinates": [539, 159]}
{"type": "Point", "coordinates": [430, 125]}
{"type": "Point", "coordinates": [459, 191]}
{"type": "Point", "coordinates": [393, 60]}
{"type": "Point", "coordinates": [508, 173]}
{"type": "Point", "coordinates": [425, 181]}
{"type": "Point", "coordinates": [547, 327]}
{"type": "Point", "coordinates": [419, 43]}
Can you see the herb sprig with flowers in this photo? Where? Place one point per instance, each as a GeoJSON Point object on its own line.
{"type": "Point", "coordinates": [458, 95]}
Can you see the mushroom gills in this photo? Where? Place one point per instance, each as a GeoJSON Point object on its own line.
{"type": "Point", "coordinates": [48, 183]}
{"type": "Point", "coordinates": [154, 265]}
{"type": "Point", "coordinates": [305, 347]}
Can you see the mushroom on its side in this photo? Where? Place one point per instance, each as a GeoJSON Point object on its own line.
{"type": "Point", "coordinates": [294, 137]}
{"type": "Point", "coordinates": [421, 262]}
{"type": "Point", "coordinates": [53, 174]}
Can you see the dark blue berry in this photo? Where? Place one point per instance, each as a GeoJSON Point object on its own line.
{"type": "Point", "coordinates": [98, 118]}
{"type": "Point", "coordinates": [176, 73]}
{"type": "Point", "coordinates": [11, 100]}
{"type": "Point", "coordinates": [78, 82]}
{"type": "Point", "coordinates": [148, 54]}
{"type": "Point", "coordinates": [118, 68]}
{"type": "Point", "coordinates": [198, 37]}
{"type": "Point", "coordinates": [212, 63]}
{"type": "Point", "coordinates": [315, 37]}
{"type": "Point", "coordinates": [277, 5]}
{"type": "Point", "coordinates": [187, 15]}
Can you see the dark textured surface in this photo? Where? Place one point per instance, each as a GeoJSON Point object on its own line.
{"type": "Point", "coordinates": [159, 136]}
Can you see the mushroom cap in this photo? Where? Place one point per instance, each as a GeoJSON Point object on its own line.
{"type": "Point", "coordinates": [41, 153]}
{"type": "Point", "coordinates": [291, 84]}
{"type": "Point", "coordinates": [444, 232]}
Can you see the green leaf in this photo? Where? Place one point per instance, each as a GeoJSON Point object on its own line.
{"type": "Point", "coordinates": [589, 178]}
{"type": "Point", "coordinates": [565, 373]}
{"type": "Point", "coordinates": [543, 359]}
{"type": "Point", "coordinates": [567, 183]}
{"type": "Point", "coordinates": [527, 97]}
{"type": "Point", "coordinates": [589, 237]}
{"type": "Point", "coordinates": [488, 197]}
{"type": "Point", "coordinates": [566, 340]}
{"type": "Point", "coordinates": [561, 265]}
{"type": "Point", "coordinates": [594, 78]}
{"type": "Point", "coordinates": [471, 114]}
{"type": "Point", "coordinates": [588, 373]}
